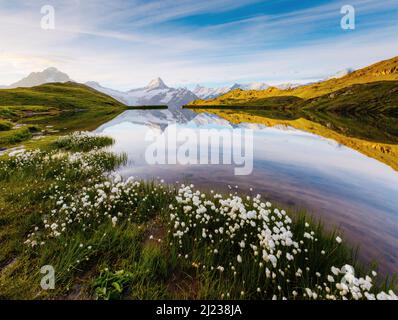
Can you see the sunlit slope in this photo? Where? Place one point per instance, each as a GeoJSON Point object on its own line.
{"type": "Point", "coordinates": [380, 72]}
{"type": "Point", "coordinates": [374, 97]}
{"type": "Point", "coordinates": [61, 106]}
{"type": "Point", "coordinates": [62, 96]}
{"type": "Point", "coordinates": [56, 104]}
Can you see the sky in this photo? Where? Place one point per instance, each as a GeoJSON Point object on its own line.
{"type": "Point", "coordinates": [123, 44]}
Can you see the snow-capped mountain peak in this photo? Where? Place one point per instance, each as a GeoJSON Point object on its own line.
{"type": "Point", "coordinates": [156, 84]}
{"type": "Point", "coordinates": [155, 93]}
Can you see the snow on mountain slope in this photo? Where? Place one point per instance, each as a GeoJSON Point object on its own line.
{"type": "Point", "coordinates": [341, 73]}
{"type": "Point", "coordinates": [210, 93]}
{"type": "Point", "coordinates": [155, 93]}
{"type": "Point", "coordinates": [287, 86]}
{"type": "Point", "coordinates": [118, 95]}
{"type": "Point", "coordinates": [48, 75]}
{"type": "Point", "coordinates": [253, 86]}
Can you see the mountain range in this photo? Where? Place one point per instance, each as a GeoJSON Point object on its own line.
{"type": "Point", "coordinates": [211, 93]}
{"type": "Point", "coordinates": [255, 93]}
{"type": "Point", "coordinates": [371, 88]}
{"type": "Point", "coordinates": [155, 93]}
{"type": "Point", "coordinates": [49, 75]}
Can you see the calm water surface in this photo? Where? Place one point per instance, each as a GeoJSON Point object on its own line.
{"type": "Point", "coordinates": [294, 168]}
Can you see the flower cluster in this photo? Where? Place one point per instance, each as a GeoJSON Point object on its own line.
{"type": "Point", "coordinates": [59, 163]}
{"type": "Point", "coordinates": [111, 201]}
{"type": "Point", "coordinates": [83, 141]}
{"type": "Point", "coordinates": [268, 255]}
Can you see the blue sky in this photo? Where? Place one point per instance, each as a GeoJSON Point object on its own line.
{"type": "Point", "coordinates": [124, 44]}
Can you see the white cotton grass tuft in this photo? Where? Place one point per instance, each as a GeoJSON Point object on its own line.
{"type": "Point", "coordinates": [251, 228]}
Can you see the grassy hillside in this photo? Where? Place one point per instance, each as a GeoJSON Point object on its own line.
{"type": "Point", "coordinates": [375, 97]}
{"type": "Point", "coordinates": [380, 72]}
{"type": "Point", "coordinates": [51, 108]}
{"type": "Point", "coordinates": [63, 96]}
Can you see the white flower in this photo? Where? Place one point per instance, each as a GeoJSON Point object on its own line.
{"type": "Point", "coordinates": [338, 240]}
{"type": "Point", "coordinates": [114, 221]}
{"type": "Point", "coordinates": [273, 260]}
{"type": "Point", "coordinates": [370, 296]}
{"type": "Point", "coordinates": [335, 270]}
{"type": "Point", "coordinates": [386, 296]}
{"type": "Point", "coordinates": [348, 269]}
{"type": "Point", "coordinates": [239, 258]}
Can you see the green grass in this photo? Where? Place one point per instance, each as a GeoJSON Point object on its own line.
{"type": "Point", "coordinates": [16, 136]}
{"type": "Point", "coordinates": [5, 125]}
{"type": "Point", "coordinates": [109, 238]}
{"type": "Point", "coordinates": [61, 96]}
{"type": "Point", "coordinates": [270, 103]}
{"type": "Point", "coordinates": [82, 142]}
{"type": "Point", "coordinates": [379, 98]}
{"type": "Point", "coordinates": [56, 108]}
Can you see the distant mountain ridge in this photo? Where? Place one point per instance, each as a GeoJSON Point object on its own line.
{"type": "Point", "coordinates": [211, 93]}
{"type": "Point", "coordinates": [382, 71]}
{"type": "Point", "coordinates": [155, 93]}
{"type": "Point", "coordinates": [255, 93]}
{"type": "Point", "coordinates": [49, 75]}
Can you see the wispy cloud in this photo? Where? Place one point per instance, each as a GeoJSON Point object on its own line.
{"type": "Point", "coordinates": [126, 43]}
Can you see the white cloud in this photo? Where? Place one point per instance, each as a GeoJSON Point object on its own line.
{"type": "Point", "coordinates": [121, 46]}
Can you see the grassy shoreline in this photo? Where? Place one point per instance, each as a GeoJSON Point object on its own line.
{"type": "Point", "coordinates": [109, 238]}
{"type": "Point", "coordinates": [53, 110]}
